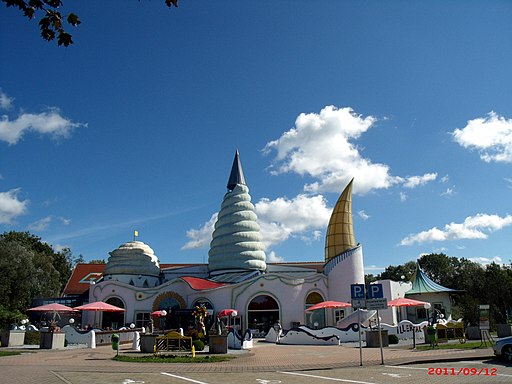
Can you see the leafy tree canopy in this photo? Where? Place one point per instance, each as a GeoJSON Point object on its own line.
{"type": "Point", "coordinates": [51, 21]}
{"type": "Point", "coordinates": [30, 269]}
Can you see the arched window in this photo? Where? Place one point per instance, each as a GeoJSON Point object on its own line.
{"type": "Point", "coordinates": [113, 320]}
{"type": "Point", "coordinates": [262, 313]}
{"type": "Point", "coordinates": [314, 319]}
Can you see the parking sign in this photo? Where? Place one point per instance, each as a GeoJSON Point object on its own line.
{"type": "Point", "coordinates": [375, 291]}
{"type": "Point", "coordinates": [357, 291]}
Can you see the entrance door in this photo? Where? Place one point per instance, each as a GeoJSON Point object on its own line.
{"type": "Point", "coordinates": [262, 313]}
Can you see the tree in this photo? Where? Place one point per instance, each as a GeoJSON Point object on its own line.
{"type": "Point", "coordinates": [30, 269]}
{"type": "Point", "coordinates": [51, 22]}
{"type": "Point", "coordinates": [400, 272]}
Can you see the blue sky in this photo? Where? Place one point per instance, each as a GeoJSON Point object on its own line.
{"type": "Point", "coordinates": [135, 126]}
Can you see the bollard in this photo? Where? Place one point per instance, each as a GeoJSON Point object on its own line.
{"type": "Point", "coordinates": [92, 340]}
{"type": "Point", "coordinates": [136, 341]}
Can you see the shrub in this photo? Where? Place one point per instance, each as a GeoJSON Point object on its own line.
{"type": "Point", "coordinates": [198, 345]}
{"type": "Point", "coordinates": [393, 339]}
{"type": "Point", "coordinates": [32, 338]}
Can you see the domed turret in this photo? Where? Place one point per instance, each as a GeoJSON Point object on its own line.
{"type": "Point", "coordinates": [236, 241]}
{"type": "Point", "coordinates": [133, 258]}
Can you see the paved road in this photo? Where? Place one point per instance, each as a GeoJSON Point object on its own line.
{"type": "Point", "coordinates": [265, 364]}
{"type": "Point", "coordinates": [453, 372]}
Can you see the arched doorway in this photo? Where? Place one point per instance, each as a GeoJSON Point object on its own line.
{"type": "Point", "coordinates": [314, 319]}
{"type": "Point", "coordinates": [113, 320]}
{"type": "Point", "coordinates": [262, 313]}
{"type": "Point", "coordinates": [173, 304]}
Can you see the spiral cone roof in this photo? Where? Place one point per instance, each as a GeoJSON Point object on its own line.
{"type": "Point", "coordinates": [236, 241]}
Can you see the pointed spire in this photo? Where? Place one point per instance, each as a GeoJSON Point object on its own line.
{"type": "Point", "coordinates": [340, 231]}
{"type": "Point", "coordinates": [237, 175]}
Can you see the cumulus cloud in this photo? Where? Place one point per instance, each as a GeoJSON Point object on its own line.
{"type": "Point", "coordinates": [272, 257]}
{"type": "Point", "coordinates": [473, 227]}
{"type": "Point", "coordinates": [49, 122]}
{"type": "Point", "coordinates": [5, 100]}
{"type": "Point", "coordinates": [321, 145]}
{"type": "Point", "coordinates": [363, 215]}
{"type": "Point", "coordinates": [491, 136]}
{"type": "Point", "coordinates": [200, 238]}
{"type": "Point", "coordinates": [10, 206]}
{"type": "Point", "coordinates": [486, 260]}
{"type": "Point", "coordinates": [281, 218]}
{"type": "Point", "coordinates": [415, 181]}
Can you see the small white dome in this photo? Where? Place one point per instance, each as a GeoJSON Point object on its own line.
{"type": "Point", "coordinates": [133, 258]}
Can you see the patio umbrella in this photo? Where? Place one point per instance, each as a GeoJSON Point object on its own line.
{"type": "Point", "coordinates": [329, 304]}
{"type": "Point", "coordinates": [99, 306]}
{"type": "Point", "coordinates": [227, 313]}
{"type": "Point", "coordinates": [160, 313]}
{"type": "Point", "coordinates": [52, 307]}
{"type": "Point", "coordinates": [403, 302]}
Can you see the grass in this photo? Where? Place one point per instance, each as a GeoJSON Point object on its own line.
{"type": "Point", "coordinates": [172, 359]}
{"type": "Point", "coordinates": [9, 353]}
{"type": "Point", "coordinates": [471, 345]}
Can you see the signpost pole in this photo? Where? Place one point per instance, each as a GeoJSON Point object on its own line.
{"type": "Point", "coordinates": [359, 331]}
{"type": "Point", "coordinates": [380, 339]}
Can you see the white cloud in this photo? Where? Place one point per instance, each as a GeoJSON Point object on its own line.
{"type": "Point", "coordinates": [5, 100]}
{"type": "Point", "coordinates": [50, 123]}
{"type": "Point", "coordinates": [445, 179]}
{"type": "Point", "coordinates": [490, 135]}
{"type": "Point", "coordinates": [509, 181]}
{"type": "Point", "coordinates": [373, 268]}
{"type": "Point", "coordinates": [363, 215]}
{"type": "Point", "coordinates": [486, 260]}
{"type": "Point", "coordinates": [281, 218]}
{"type": "Point", "coordinates": [200, 238]}
{"type": "Point", "coordinates": [321, 146]}
{"type": "Point", "coordinates": [44, 223]}
{"type": "Point", "coordinates": [473, 227]}
{"type": "Point", "coordinates": [10, 206]}
{"type": "Point", "coordinates": [415, 181]}
{"type": "Point", "coordinates": [449, 192]}
{"type": "Point", "coordinates": [403, 196]}
{"type": "Point", "coordinates": [41, 225]}
{"type": "Point", "coordinates": [272, 257]}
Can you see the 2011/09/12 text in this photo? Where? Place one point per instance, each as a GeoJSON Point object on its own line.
{"type": "Point", "coordinates": [462, 371]}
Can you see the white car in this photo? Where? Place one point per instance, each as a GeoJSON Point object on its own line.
{"type": "Point", "coordinates": [503, 348]}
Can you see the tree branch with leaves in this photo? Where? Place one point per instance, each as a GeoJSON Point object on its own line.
{"type": "Point", "coordinates": [51, 21]}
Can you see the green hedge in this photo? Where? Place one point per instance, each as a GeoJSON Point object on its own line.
{"type": "Point", "coordinates": [32, 338]}
{"type": "Point", "coordinates": [198, 345]}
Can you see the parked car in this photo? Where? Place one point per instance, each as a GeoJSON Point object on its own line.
{"type": "Point", "coordinates": [503, 348]}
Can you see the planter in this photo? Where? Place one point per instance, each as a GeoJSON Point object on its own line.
{"type": "Point", "coordinates": [147, 343]}
{"type": "Point", "coordinates": [218, 344]}
{"type": "Point", "coordinates": [372, 338]}
{"type": "Point", "coordinates": [13, 338]}
{"type": "Point", "coordinates": [52, 340]}
{"type": "Point", "coordinates": [473, 333]}
{"type": "Point", "coordinates": [504, 330]}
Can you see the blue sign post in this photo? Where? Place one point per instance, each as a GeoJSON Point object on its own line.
{"type": "Point", "coordinates": [358, 295]}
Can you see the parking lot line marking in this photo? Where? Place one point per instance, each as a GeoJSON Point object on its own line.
{"type": "Point", "coordinates": [327, 378]}
{"type": "Point", "coordinates": [183, 378]}
{"type": "Point", "coordinates": [395, 366]}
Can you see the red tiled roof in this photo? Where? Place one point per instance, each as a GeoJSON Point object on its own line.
{"type": "Point", "coordinates": [81, 278]}
{"type": "Point", "coordinates": [201, 284]}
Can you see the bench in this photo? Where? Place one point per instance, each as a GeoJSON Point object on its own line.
{"type": "Point", "coordinates": [173, 341]}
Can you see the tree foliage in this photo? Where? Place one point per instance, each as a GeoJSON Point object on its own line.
{"type": "Point", "coordinates": [30, 269]}
{"type": "Point", "coordinates": [476, 284]}
{"type": "Point", "coordinates": [51, 21]}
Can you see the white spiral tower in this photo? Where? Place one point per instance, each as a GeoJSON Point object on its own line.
{"type": "Point", "coordinates": [236, 241]}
